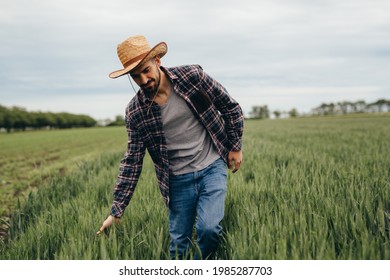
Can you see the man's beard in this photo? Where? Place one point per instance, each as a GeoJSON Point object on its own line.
{"type": "Point", "coordinates": [150, 91]}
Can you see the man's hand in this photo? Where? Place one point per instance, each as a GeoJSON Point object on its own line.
{"type": "Point", "coordinates": [235, 158]}
{"type": "Point", "coordinates": [107, 223]}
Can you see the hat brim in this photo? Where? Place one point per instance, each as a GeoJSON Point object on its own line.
{"type": "Point", "coordinates": [160, 49]}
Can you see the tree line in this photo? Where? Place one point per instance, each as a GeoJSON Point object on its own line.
{"type": "Point", "coordinates": [347, 107]}
{"type": "Point", "coordinates": [17, 118]}
{"type": "Point", "coordinates": [262, 112]}
{"type": "Point", "coordinates": [339, 108]}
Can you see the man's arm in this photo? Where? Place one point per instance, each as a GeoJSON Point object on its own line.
{"type": "Point", "coordinates": [129, 172]}
{"type": "Point", "coordinates": [230, 110]}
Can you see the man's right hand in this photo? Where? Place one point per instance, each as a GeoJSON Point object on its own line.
{"type": "Point", "coordinates": [107, 223]}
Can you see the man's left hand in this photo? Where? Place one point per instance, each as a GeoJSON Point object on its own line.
{"type": "Point", "coordinates": [235, 160]}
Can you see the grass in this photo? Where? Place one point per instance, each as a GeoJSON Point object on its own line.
{"type": "Point", "coordinates": [27, 159]}
{"type": "Point", "coordinates": [309, 188]}
{"type": "Point", "coordinates": [320, 187]}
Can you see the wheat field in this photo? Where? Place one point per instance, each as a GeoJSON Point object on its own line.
{"type": "Point", "coordinates": [309, 188]}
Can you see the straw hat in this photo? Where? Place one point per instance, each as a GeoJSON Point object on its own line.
{"type": "Point", "coordinates": [134, 51]}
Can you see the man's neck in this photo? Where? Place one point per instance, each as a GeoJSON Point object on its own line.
{"type": "Point", "coordinates": [164, 90]}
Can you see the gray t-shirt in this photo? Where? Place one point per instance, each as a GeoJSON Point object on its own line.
{"type": "Point", "coordinates": [190, 147]}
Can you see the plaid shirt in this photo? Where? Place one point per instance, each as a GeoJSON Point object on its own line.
{"type": "Point", "coordinates": [214, 108]}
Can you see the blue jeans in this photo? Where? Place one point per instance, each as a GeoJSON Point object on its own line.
{"type": "Point", "coordinates": [198, 195]}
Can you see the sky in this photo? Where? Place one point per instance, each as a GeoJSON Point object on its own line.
{"type": "Point", "coordinates": [56, 55]}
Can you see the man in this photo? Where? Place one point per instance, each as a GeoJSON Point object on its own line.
{"type": "Point", "coordinates": [192, 128]}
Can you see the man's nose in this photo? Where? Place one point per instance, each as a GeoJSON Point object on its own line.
{"type": "Point", "coordinates": [143, 79]}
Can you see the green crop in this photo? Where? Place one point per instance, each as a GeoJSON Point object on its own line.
{"type": "Point", "coordinates": [309, 188]}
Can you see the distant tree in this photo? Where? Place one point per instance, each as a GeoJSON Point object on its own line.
{"type": "Point", "coordinates": [345, 107]}
{"type": "Point", "coordinates": [119, 121]}
{"type": "Point", "coordinates": [86, 121]}
{"type": "Point", "coordinates": [323, 109]}
{"type": "Point", "coordinates": [3, 111]}
{"type": "Point", "coordinates": [277, 114]}
{"type": "Point", "coordinates": [381, 105]}
{"type": "Point", "coordinates": [21, 118]}
{"type": "Point", "coordinates": [255, 113]}
{"type": "Point", "coordinates": [51, 120]}
{"type": "Point", "coordinates": [8, 120]}
{"type": "Point", "coordinates": [330, 109]}
{"type": "Point", "coordinates": [293, 113]}
{"type": "Point", "coordinates": [18, 118]}
{"type": "Point", "coordinates": [41, 120]}
{"type": "Point", "coordinates": [60, 120]}
{"type": "Point", "coordinates": [260, 112]}
{"type": "Point", "coordinates": [359, 106]}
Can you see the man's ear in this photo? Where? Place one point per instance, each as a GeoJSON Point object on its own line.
{"type": "Point", "coordinates": [157, 60]}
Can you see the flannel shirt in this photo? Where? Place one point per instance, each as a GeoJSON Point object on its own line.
{"type": "Point", "coordinates": [221, 116]}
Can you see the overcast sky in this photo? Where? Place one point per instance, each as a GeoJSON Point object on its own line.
{"type": "Point", "coordinates": [56, 55]}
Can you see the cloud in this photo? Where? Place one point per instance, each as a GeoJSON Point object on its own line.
{"type": "Point", "coordinates": [64, 50]}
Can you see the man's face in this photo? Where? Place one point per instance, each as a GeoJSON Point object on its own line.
{"type": "Point", "coordinates": [147, 76]}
